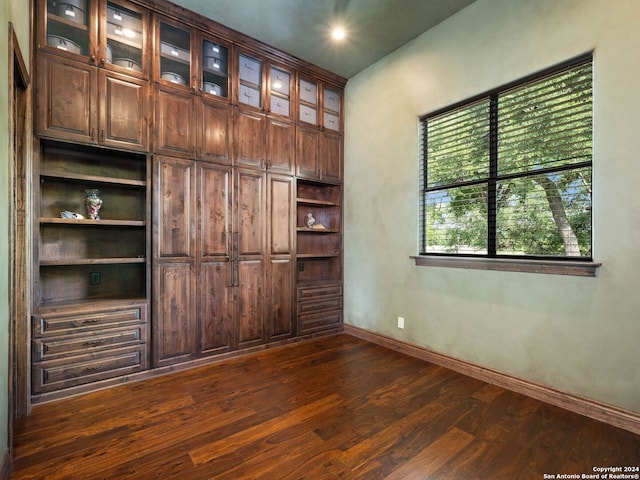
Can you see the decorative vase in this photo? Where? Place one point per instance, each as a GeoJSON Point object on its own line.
{"type": "Point", "coordinates": [93, 202]}
{"type": "Point", "coordinates": [309, 220]}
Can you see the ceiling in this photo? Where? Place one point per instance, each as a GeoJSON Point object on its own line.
{"type": "Point", "coordinates": [301, 28]}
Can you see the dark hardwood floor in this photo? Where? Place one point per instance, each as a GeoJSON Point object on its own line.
{"type": "Point", "coordinates": [335, 407]}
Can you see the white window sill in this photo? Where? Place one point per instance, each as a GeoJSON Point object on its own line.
{"type": "Point", "coordinates": [554, 267]}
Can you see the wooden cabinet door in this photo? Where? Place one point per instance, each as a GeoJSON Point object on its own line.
{"type": "Point", "coordinates": [280, 146]}
{"type": "Point", "coordinates": [249, 135]}
{"type": "Point", "coordinates": [174, 323]}
{"type": "Point", "coordinates": [213, 121]}
{"type": "Point", "coordinates": [173, 217]}
{"type": "Point", "coordinates": [331, 157]}
{"type": "Point", "coordinates": [65, 107]}
{"type": "Point", "coordinates": [249, 269]}
{"type": "Point", "coordinates": [174, 122]}
{"type": "Point", "coordinates": [215, 280]}
{"type": "Point", "coordinates": [307, 145]}
{"type": "Point", "coordinates": [281, 254]}
{"type": "Point", "coordinates": [174, 335]}
{"type": "Point", "coordinates": [281, 212]}
{"type": "Point", "coordinates": [123, 111]}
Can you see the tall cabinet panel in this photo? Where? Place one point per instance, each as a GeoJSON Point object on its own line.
{"type": "Point", "coordinates": [281, 255]}
{"type": "Point", "coordinates": [249, 269]}
{"type": "Point", "coordinates": [174, 260]}
{"type": "Point", "coordinates": [215, 262]}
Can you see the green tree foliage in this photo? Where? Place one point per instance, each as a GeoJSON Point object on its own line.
{"type": "Point", "coordinates": [543, 177]}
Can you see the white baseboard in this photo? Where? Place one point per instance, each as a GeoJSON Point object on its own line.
{"type": "Point", "coordinates": [609, 414]}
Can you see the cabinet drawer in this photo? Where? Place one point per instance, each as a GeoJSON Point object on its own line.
{"type": "Point", "coordinates": [318, 322]}
{"type": "Point", "coordinates": [76, 370]}
{"type": "Point", "coordinates": [249, 70]}
{"type": "Point", "coordinates": [308, 92]}
{"type": "Point", "coordinates": [313, 292]}
{"type": "Point", "coordinates": [323, 305]}
{"type": "Point", "coordinates": [249, 96]}
{"type": "Point", "coordinates": [61, 323]}
{"type": "Point", "coordinates": [56, 347]}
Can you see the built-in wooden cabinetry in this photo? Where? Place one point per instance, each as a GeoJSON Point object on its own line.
{"type": "Point", "coordinates": [210, 151]}
{"type": "Point", "coordinates": [319, 255]}
{"type": "Point", "coordinates": [92, 289]}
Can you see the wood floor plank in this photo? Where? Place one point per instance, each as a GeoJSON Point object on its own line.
{"type": "Point", "coordinates": [433, 456]}
{"type": "Point", "coordinates": [332, 408]}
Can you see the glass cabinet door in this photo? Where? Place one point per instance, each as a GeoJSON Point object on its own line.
{"type": "Point", "coordinates": [124, 37]}
{"type": "Point", "coordinates": [280, 91]}
{"type": "Point", "coordinates": [67, 26]}
{"type": "Point", "coordinates": [308, 98]}
{"type": "Point", "coordinates": [215, 72]}
{"type": "Point", "coordinates": [175, 55]}
{"type": "Point", "coordinates": [250, 81]}
{"type": "Point", "coordinates": [331, 107]}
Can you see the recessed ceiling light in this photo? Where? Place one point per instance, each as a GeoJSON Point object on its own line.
{"type": "Point", "coordinates": [338, 33]}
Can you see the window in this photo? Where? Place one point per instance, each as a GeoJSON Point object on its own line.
{"type": "Point", "coordinates": [509, 174]}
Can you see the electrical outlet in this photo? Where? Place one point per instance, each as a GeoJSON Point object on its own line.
{"type": "Point", "coordinates": [94, 278]}
{"type": "Point", "coordinates": [400, 322]}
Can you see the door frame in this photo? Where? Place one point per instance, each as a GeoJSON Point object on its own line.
{"type": "Point", "coordinates": [19, 163]}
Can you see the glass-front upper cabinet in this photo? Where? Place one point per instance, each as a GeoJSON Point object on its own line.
{"type": "Point", "coordinates": [280, 91]}
{"type": "Point", "coordinates": [308, 101]}
{"type": "Point", "coordinates": [68, 26]}
{"type": "Point", "coordinates": [174, 54]}
{"type": "Point", "coordinates": [331, 109]}
{"type": "Point", "coordinates": [249, 81]}
{"type": "Point", "coordinates": [215, 68]}
{"type": "Point", "coordinates": [124, 37]}
{"type": "Point", "coordinates": [112, 33]}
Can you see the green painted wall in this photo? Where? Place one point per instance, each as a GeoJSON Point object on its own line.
{"type": "Point", "coordinates": [579, 335]}
{"type": "Point", "coordinates": [17, 12]}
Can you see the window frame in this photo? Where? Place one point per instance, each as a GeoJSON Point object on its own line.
{"type": "Point", "coordinates": [563, 265]}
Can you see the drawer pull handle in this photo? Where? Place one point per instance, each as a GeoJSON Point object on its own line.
{"type": "Point", "coordinates": [96, 343]}
{"type": "Point", "coordinates": [91, 320]}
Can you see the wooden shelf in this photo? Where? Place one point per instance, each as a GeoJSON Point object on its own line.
{"type": "Point", "coordinates": [316, 230]}
{"type": "Point", "coordinates": [322, 203]}
{"type": "Point", "coordinates": [93, 179]}
{"type": "Point", "coordinates": [93, 223]}
{"type": "Point", "coordinates": [96, 303]}
{"type": "Point", "coordinates": [52, 17]}
{"type": "Point", "coordinates": [91, 261]}
{"type": "Point", "coordinates": [124, 41]}
{"type": "Point", "coordinates": [318, 255]}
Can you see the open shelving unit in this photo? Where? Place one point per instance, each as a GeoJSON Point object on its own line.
{"type": "Point", "coordinates": [319, 256]}
{"type": "Point", "coordinates": [81, 259]}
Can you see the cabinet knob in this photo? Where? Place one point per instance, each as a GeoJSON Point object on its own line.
{"type": "Point", "coordinates": [103, 61]}
{"type": "Point", "coordinates": [93, 59]}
